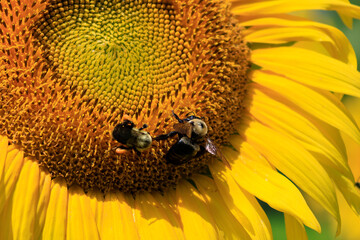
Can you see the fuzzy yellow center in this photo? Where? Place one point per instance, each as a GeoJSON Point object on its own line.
{"type": "Point", "coordinates": [78, 67]}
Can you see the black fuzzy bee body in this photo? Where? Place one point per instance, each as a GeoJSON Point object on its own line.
{"type": "Point", "coordinates": [132, 138]}
{"type": "Point", "coordinates": [192, 142]}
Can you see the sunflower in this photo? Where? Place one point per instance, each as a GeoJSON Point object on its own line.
{"type": "Point", "coordinates": [265, 82]}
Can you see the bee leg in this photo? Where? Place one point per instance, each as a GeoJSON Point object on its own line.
{"type": "Point", "coordinates": [165, 136]}
{"type": "Point", "coordinates": [177, 117]}
{"type": "Point", "coordinates": [120, 151]}
{"type": "Point", "coordinates": [144, 126]}
{"type": "Point", "coordinates": [122, 147]}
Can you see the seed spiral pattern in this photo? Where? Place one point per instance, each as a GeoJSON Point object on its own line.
{"type": "Point", "coordinates": [73, 70]}
{"type": "Point", "coordinates": [121, 52]}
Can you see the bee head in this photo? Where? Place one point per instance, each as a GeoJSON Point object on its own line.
{"type": "Point", "coordinates": [199, 127]}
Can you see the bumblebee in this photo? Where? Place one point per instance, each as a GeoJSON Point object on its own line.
{"type": "Point", "coordinates": [132, 138]}
{"type": "Point", "coordinates": [193, 141]}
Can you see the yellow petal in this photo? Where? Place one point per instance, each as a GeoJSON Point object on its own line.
{"type": "Point", "coordinates": [351, 221]}
{"type": "Point", "coordinates": [344, 182]}
{"type": "Point", "coordinates": [250, 7]}
{"type": "Point", "coordinates": [340, 46]}
{"type": "Point", "coordinates": [56, 215]}
{"type": "Point", "coordinates": [331, 133]}
{"type": "Point", "coordinates": [3, 153]}
{"type": "Point", "coordinates": [13, 164]}
{"type": "Point", "coordinates": [228, 225]}
{"type": "Point", "coordinates": [282, 118]}
{"type": "Point", "coordinates": [296, 163]}
{"type": "Point", "coordinates": [321, 104]}
{"type": "Point", "coordinates": [267, 184]}
{"type": "Point", "coordinates": [242, 205]}
{"type": "Point", "coordinates": [25, 199]}
{"type": "Point", "coordinates": [332, 38]}
{"type": "Point", "coordinates": [195, 215]}
{"type": "Point", "coordinates": [348, 190]}
{"type": "Point", "coordinates": [321, 71]}
{"type": "Point", "coordinates": [80, 218]}
{"type": "Point", "coordinates": [44, 198]}
{"type": "Point", "coordinates": [171, 211]}
{"type": "Point", "coordinates": [117, 221]}
{"type": "Point", "coordinates": [97, 207]}
{"type": "Point", "coordinates": [5, 220]}
{"type": "Point", "coordinates": [286, 34]}
{"type": "Point", "coordinates": [294, 228]}
{"type": "Point", "coordinates": [151, 219]}
{"type": "Point", "coordinates": [11, 161]}
{"type": "Point", "coordinates": [346, 19]}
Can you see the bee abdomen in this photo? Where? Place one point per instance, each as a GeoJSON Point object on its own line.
{"type": "Point", "coordinates": [182, 151]}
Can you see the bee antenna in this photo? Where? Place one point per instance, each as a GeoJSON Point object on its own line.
{"type": "Point", "coordinates": [144, 126]}
{"type": "Point", "coordinates": [176, 116]}
{"type": "Point", "coordinates": [189, 116]}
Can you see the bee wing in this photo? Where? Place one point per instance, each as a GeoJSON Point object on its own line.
{"type": "Point", "coordinates": [183, 128]}
{"type": "Point", "coordinates": [214, 150]}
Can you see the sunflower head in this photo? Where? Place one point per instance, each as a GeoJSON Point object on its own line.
{"type": "Point", "coordinates": [79, 78]}
{"type": "Point", "coordinates": [83, 65]}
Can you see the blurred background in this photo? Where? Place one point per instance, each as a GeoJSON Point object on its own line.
{"type": "Point", "coordinates": [350, 221]}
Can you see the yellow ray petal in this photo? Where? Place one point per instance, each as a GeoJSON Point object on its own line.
{"type": "Point", "coordinates": [117, 220]}
{"type": "Point", "coordinates": [195, 215]}
{"type": "Point", "coordinates": [171, 211]}
{"type": "Point", "coordinates": [339, 46]}
{"type": "Point", "coordinates": [351, 221]}
{"type": "Point", "coordinates": [3, 153]}
{"type": "Point", "coordinates": [56, 214]}
{"type": "Point", "coordinates": [228, 225]}
{"type": "Point", "coordinates": [348, 21]}
{"type": "Point", "coordinates": [331, 133]}
{"type": "Point", "coordinates": [242, 205]}
{"type": "Point", "coordinates": [294, 228]}
{"type": "Point", "coordinates": [44, 198]}
{"type": "Point", "coordinates": [13, 164]}
{"type": "Point", "coordinates": [252, 7]}
{"type": "Point", "coordinates": [286, 34]}
{"type": "Point", "coordinates": [296, 163]}
{"type": "Point", "coordinates": [320, 70]}
{"type": "Point", "coordinates": [25, 199]}
{"type": "Point", "coordinates": [97, 203]}
{"type": "Point", "coordinates": [151, 219]}
{"type": "Point", "coordinates": [321, 104]}
{"type": "Point", "coordinates": [80, 218]}
{"type": "Point", "coordinates": [6, 231]}
{"type": "Point", "coordinates": [267, 184]}
{"type": "Point", "coordinates": [344, 182]}
{"type": "Point", "coordinates": [348, 190]}
{"type": "Point", "coordinates": [282, 118]}
{"type": "Point", "coordinates": [251, 153]}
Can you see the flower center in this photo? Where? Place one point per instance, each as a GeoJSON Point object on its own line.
{"type": "Point", "coordinates": [123, 53]}
{"type": "Point", "coordinates": [90, 63]}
